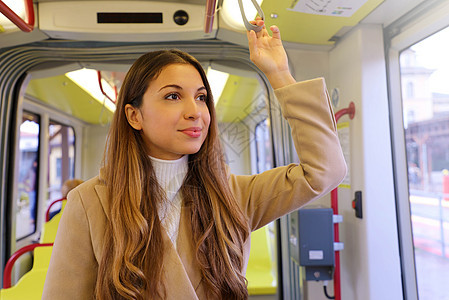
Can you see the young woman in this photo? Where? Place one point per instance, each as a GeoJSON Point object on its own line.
{"type": "Point", "coordinates": [165, 219]}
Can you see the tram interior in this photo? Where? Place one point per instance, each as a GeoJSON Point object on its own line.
{"type": "Point", "coordinates": [61, 81]}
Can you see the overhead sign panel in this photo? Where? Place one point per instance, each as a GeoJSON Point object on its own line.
{"type": "Point", "coordinates": [334, 8]}
{"type": "Point", "coordinates": [316, 22]}
{"type": "Point", "coordinates": [126, 21]}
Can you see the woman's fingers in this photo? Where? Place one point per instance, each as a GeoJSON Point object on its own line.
{"type": "Point", "coordinates": [264, 33]}
{"type": "Point", "coordinates": [276, 32]}
{"type": "Point", "coordinates": [259, 22]}
{"type": "Point", "coordinates": [252, 43]}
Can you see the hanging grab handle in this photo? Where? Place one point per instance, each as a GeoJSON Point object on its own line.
{"type": "Point", "coordinates": [248, 25]}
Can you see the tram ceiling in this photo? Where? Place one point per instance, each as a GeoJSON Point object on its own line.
{"type": "Point", "coordinates": [303, 22]}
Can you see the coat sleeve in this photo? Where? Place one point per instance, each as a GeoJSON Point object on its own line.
{"type": "Point", "coordinates": [73, 268]}
{"type": "Point", "coordinates": [274, 193]}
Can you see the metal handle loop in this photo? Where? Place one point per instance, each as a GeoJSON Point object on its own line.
{"type": "Point", "coordinates": [248, 25]}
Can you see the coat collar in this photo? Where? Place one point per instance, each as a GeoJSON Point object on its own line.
{"type": "Point", "coordinates": [181, 275]}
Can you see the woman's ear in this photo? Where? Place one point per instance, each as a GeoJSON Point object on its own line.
{"type": "Point", "coordinates": [133, 116]}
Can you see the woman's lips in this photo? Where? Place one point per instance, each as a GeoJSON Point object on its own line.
{"type": "Point", "coordinates": [193, 132]}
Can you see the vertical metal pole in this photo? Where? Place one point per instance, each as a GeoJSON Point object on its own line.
{"type": "Point", "coordinates": [337, 278]}
{"type": "Point", "coordinates": [209, 15]}
{"type": "Point", "coordinates": [440, 208]}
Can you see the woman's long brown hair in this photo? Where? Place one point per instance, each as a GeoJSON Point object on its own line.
{"type": "Point", "coordinates": [131, 262]}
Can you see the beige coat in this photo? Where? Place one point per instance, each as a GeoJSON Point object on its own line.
{"type": "Point", "coordinates": [264, 198]}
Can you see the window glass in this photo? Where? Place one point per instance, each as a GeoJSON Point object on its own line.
{"type": "Point", "coordinates": [61, 159]}
{"type": "Point", "coordinates": [263, 147]}
{"type": "Point", "coordinates": [28, 175]}
{"type": "Point", "coordinates": [425, 99]}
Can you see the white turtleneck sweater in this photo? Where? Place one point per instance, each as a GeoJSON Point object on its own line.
{"type": "Point", "coordinates": [170, 175]}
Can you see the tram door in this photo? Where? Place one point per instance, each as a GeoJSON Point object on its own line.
{"type": "Point", "coordinates": [424, 69]}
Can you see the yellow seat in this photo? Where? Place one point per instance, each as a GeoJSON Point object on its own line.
{"type": "Point", "coordinates": [42, 257]}
{"type": "Point", "coordinates": [31, 285]}
{"type": "Point", "coordinates": [50, 228]}
{"type": "Point", "coordinates": [260, 273]}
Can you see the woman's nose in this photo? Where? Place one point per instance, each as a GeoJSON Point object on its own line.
{"type": "Point", "coordinates": [191, 110]}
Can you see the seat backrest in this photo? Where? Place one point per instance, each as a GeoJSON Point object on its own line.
{"type": "Point", "coordinates": [42, 257]}
{"type": "Point", "coordinates": [29, 287]}
{"type": "Point", "coordinates": [42, 254]}
{"type": "Point", "coordinates": [50, 228]}
{"type": "Point", "coordinates": [260, 272]}
{"type": "Point", "coordinates": [63, 201]}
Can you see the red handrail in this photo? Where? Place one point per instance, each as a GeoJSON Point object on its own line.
{"type": "Point", "coordinates": [101, 88]}
{"type": "Point", "coordinates": [350, 110]}
{"type": "Point", "coordinates": [14, 257]}
{"type": "Point", "coordinates": [47, 214]}
{"type": "Point", "coordinates": [18, 21]}
{"type": "Point", "coordinates": [210, 12]}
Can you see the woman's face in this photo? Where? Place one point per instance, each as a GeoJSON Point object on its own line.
{"type": "Point", "coordinates": [173, 118]}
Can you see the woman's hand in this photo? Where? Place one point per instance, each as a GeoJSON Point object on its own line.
{"type": "Point", "coordinates": [268, 54]}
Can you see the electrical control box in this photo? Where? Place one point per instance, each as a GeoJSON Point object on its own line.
{"type": "Point", "coordinates": [316, 242]}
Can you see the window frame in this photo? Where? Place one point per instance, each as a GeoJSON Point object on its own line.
{"type": "Point", "coordinates": [36, 181]}
{"type": "Point", "coordinates": [399, 36]}
{"type": "Point", "coordinates": [45, 113]}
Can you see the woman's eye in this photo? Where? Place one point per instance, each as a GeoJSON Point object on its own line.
{"type": "Point", "coordinates": [202, 97]}
{"type": "Point", "coordinates": [172, 97]}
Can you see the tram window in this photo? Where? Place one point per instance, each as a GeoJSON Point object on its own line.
{"type": "Point", "coordinates": [425, 69]}
{"type": "Point", "coordinates": [28, 175]}
{"type": "Point", "coordinates": [263, 147]}
{"type": "Point", "coordinates": [61, 158]}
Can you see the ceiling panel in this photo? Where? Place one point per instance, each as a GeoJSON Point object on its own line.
{"type": "Point", "coordinates": [63, 94]}
{"type": "Point", "coordinates": [237, 99]}
{"type": "Point", "coordinates": [315, 28]}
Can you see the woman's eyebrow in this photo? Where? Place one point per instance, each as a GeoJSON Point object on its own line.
{"type": "Point", "coordinates": [178, 87]}
{"type": "Point", "coordinates": [170, 86]}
